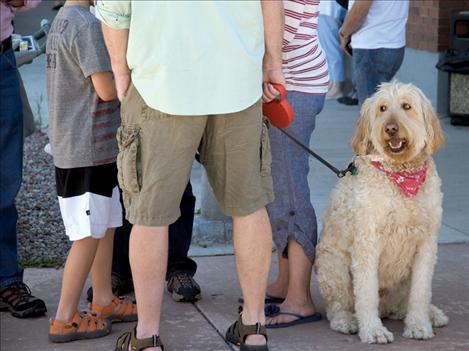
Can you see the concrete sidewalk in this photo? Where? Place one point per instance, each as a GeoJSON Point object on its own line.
{"type": "Point", "coordinates": [200, 326]}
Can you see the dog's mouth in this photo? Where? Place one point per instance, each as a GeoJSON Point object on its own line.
{"type": "Point", "coordinates": [396, 145]}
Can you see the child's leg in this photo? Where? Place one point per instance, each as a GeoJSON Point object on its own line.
{"type": "Point", "coordinates": [101, 270]}
{"type": "Point", "coordinates": [77, 268]}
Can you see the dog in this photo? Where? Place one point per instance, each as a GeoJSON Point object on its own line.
{"type": "Point", "coordinates": [378, 247]}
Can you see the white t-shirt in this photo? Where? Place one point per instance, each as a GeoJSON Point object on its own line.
{"type": "Point", "coordinates": [384, 26]}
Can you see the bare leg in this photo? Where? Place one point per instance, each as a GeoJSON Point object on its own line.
{"type": "Point", "coordinates": [279, 286]}
{"type": "Point", "coordinates": [148, 253]}
{"type": "Point", "coordinates": [77, 268]}
{"type": "Point", "coordinates": [298, 299]}
{"type": "Point", "coordinates": [252, 236]}
{"type": "Point", "coordinates": [101, 270]}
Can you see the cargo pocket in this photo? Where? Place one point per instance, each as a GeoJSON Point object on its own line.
{"type": "Point", "coordinates": [266, 157]}
{"type": "Point", "coordinates": [128, 140]}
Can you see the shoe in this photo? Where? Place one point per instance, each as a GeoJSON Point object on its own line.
{"type": "Point", "coordinates": [119, 310]}
{"type": "Point", "coordinates": [120, 287]}
{"type": "Point", "coordinates": [183, 288]}
{"type": "Point", "coordinates": [334, 91]}
{"type": "Point", "coordinates": [17, 299]}
{"type": "Point", "coordinates": [83, 325]}
{"type": "Point", "coordinates": [347, 100]}
{"type": "Point", "coordinates": [238, 332]}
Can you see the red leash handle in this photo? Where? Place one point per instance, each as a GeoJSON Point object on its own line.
{"type": "Point", "coordinates": [278, 111]}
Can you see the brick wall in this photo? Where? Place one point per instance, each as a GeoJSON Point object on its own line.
{"type": "Point", "coordinates": [429, 21]}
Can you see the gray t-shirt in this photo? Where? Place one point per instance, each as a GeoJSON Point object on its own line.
{"type": "Point", "coordinates": [82, 128]}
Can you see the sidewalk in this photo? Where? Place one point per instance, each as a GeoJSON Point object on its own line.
{"type": "Point", "coordinates": [188, 327]}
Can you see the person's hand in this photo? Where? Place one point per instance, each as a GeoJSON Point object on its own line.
{"type": "Point", "coordinates": [271, 75]}
{"type": "Point", "coordinates": [345, 43]}
{"type": "Point", "coordinates": [122, 81]}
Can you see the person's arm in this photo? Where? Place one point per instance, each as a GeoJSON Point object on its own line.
{"type": "Point", "coordinates": [272, 12]}
{"type": "Point", "coordinates": [116, 42]}
{"type": "Point", "coordinates": [353, 21]}
{"type": "Point", "coordinates": [103, 84]}
{"type": "Point", "coordinates": [115, 18]}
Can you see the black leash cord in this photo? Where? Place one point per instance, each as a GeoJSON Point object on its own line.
{"type": "Point", "coordinates": [337, 172]}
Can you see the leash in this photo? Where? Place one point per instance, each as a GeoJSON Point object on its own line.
{"type": "Point", "coordinates": [339, 173]}
{"type": "Point", "coordinates": [280, 114]}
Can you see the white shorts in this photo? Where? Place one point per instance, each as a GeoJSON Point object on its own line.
{"type": "Point", "coordinates": [89, 200]}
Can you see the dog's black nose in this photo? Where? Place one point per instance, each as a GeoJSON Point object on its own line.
{"type": "Point", "coordinates": [391, 128]}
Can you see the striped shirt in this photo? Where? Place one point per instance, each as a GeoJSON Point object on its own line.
{"type": "Point", "coordinates": [304, 61]}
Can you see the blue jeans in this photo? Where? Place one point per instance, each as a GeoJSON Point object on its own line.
{"type": "Point", "coordinates": [11, 163]}
{"type": "Point", "coordinates": [373, 67]}
{"type": "Point", "coordinates": [328, 32]}
{"type": "Point", "coordinates": [292, 214]}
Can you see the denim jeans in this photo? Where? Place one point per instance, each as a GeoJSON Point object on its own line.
{"type": "Point", "coordinates": [11, 164]}
{"type": "Point", "coordinates": [328, 33]}
{"type": "Point", "coordinates": [373, 67]}
{"type": "Point", "coordinates": [292, 214]}
{"type": "Point", "coordinates": [180, 236]}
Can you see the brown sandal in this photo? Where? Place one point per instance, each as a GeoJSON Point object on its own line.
{"type": "Point", "coordinates": [238, 332]}
{"type": "Point", "coordinates": [130, 339]}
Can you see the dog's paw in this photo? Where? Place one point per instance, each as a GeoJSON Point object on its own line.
{"type": "Point", "coordinates": [376, 334]}
{"type": "Point", "coordinates": [438, 317]}
{"type": "Point", "coordinates": [418, 330]}
{"type": "Point", "coordinates": [346, 324]}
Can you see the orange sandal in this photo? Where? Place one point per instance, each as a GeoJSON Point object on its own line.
{"type": "Point", "coordinates": [119, 310]}
{"type": "Point", "coordinates": [83, 325]}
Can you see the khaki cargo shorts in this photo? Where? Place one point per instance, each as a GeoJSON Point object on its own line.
{"type": "Point", "coordinates": [156, 152]}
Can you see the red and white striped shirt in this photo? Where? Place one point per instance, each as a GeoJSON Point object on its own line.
{"type": "Point", "coordinates": [304, 61]}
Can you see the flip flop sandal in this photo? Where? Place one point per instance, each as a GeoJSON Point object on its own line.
{"type": "Point", "coordinates": [83, 325]}
{"type": "Point", "coordinates": [119, 310]}
{"type": "Point", "coordinates": [268, 299]}
{"type": "Point", "coordinates": [129, 339]}
{"type": "Point", "coordinates": [238, 332]}
{"type": "Point", "coordinates": [274, 310]}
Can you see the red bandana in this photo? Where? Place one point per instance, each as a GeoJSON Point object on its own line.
{"type": "Point", "coordinates": [409, 183]}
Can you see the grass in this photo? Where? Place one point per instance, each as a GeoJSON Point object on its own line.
{"type": "Point", "coordinates": [42, 262]}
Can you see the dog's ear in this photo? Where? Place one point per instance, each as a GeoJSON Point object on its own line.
{"type": "Point", "coordinates": [435, 134]}
{"type": "Point", "coordinates": [361, 142]}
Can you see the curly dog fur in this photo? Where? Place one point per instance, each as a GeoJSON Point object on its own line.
{"type": "Point", "coordinates": [378, 248]}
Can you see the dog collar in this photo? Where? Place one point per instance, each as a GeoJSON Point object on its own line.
{"type": "Point", "coordinates": [409, 182]}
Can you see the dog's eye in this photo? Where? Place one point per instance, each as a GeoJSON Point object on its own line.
{"type": "Point", "coordinates": [383, 108]}
{"type": "Point", "coordinates": [406, 106]}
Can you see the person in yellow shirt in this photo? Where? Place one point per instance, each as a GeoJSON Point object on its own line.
{"type": "Point", "coordinates": [190, 76]}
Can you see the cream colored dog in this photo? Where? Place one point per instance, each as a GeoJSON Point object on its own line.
{"type": "Point", "coordinates": [378, 247]}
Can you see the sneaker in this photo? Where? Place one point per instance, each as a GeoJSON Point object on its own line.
{"type": "Point", "coordinates": [17, 299]}
{"type": "Point", "coordinates": [183, 287]}
{"type": "Point", "coordinates": [334, 92]}
{"type": "Point", "coordinates": [120, 287]}
{"type": "Point", "coordinates": [348, 100]}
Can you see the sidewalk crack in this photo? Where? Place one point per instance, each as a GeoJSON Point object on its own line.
{"type": "Point", "coordinates": [219, 332]}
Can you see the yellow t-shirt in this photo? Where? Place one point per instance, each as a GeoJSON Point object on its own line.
{"type": "Point", "coordinates": [192, 57]}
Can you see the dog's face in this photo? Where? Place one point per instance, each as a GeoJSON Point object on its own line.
{"type": "Point", "coordinates": [399, 123]}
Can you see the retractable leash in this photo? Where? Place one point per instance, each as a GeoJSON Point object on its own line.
{"type": "Point", "coordinates": [280, 114]}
